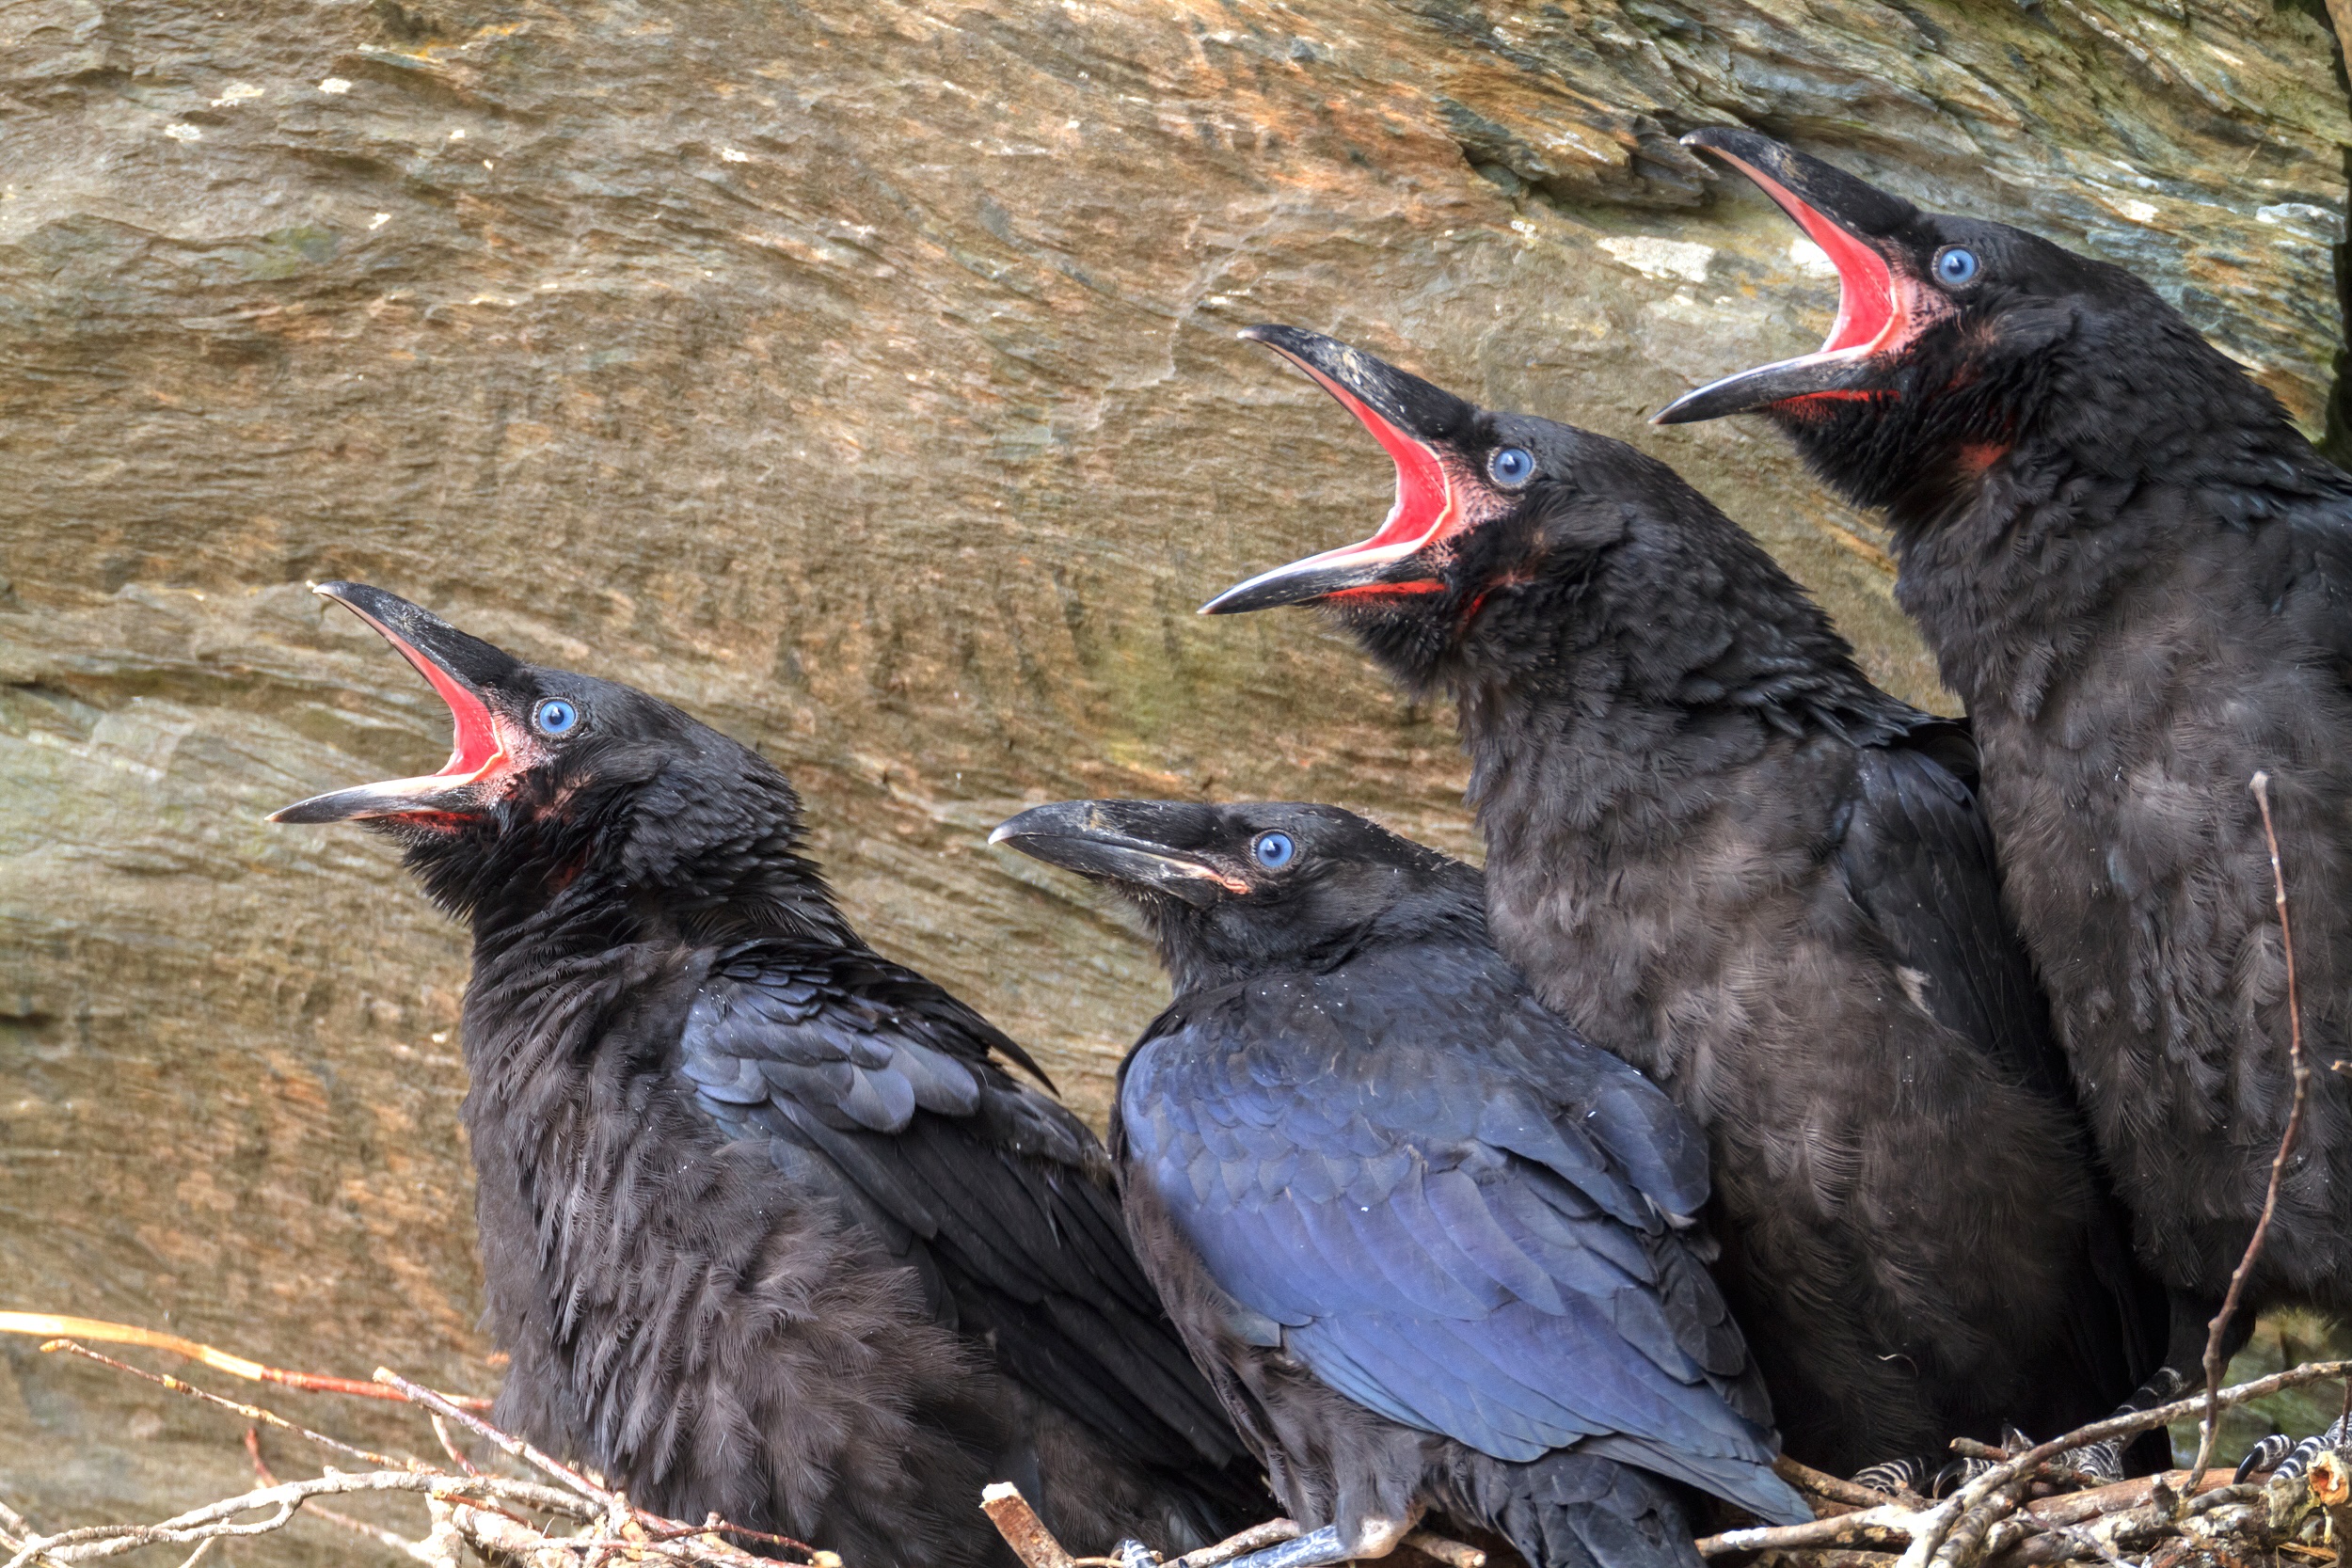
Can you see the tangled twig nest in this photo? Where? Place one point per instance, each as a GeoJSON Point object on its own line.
{"type": "Point", "coordinates": [544, 1514]}
{"type": "Point", "coordinates": [2014, 1515]}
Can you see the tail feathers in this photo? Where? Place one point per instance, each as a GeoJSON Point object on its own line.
{"type": "Point", "coordinates": [1572, 1509]}
{"type": "Point", "coordinates": [1743, 1482]}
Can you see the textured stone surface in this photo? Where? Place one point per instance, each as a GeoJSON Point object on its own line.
{"type": "Point", "coordinates": [861, 376]}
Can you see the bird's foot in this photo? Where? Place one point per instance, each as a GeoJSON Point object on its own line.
{"type": "Point", "coordinates": [2265, 1456]}
{"type": "Point", "coordinates": [1908, 1475]}
{"type": "Point", "coordinates": [2103, 1461]}
{"type": "Point", "coordinates": [1132, 1553]}
{"type": "Point", "coordinates": [2287, 1459]}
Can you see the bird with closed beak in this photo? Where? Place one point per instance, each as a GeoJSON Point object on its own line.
{"type": "Point", "coordinates": [1435, 1250]}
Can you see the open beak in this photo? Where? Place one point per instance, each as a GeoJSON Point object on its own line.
{"type": "Point", "coordinates": [1852, 222]}
{"type": "Point", "coordinates": [1136, 843]}
{"type": "Point", "coordinates": [465, 671]}
{"type": "Point", "coordinates": [1407, 417]}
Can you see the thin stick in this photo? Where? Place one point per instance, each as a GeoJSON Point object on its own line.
{"type": "Point", "coordinates": [2061, 1475]}
{"type": "Point", "coordinates": [15, 1530]}
{"type": "Point", "coordinates": [664, 1530]}
{"type": "Point", "coordinates": [2301, 1074]}
{"type": "Point", "coordinates": [1804, 1477]}
{"type": "Point", "coordinates": [377, 1533]}
{"type": "Point", "coordinates": [1889, 1525]}
{"type": "Point", "coordinates": [100, 1541]}
{"type": "Point", "coordinates": [449, 1444]}
{"type": "Point", "coordinates": [1439, 1548]}
{"type": "Point", "coordinates": [1272, 1533]}
{"type": "Point", "coordinates": [50, 1326]}
{"type": "Point", "coordinates": [250, 1411]}
{"type": "Point", "coordinates": [513, 1448]}
{"type": "Point", "coordinates": [1931, 1525]}
{"type": "Point", "coordinates": [1974, 1528]}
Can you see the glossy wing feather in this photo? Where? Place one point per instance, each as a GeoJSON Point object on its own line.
{"type": "Point", "coordinates": [872, 1082]}
{"type": "Point", "coordinates": [1919, 859]}
{"type": "Point", "coordinates": [1461, 1226]}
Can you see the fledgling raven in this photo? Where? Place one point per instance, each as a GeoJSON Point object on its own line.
{"type": "Point", "coordinates": [1425, 1239]}
{"type": "Point", "coordinates": [2138, 574]}
{"type": "Point", "coordinates": [766, 1230]}
{"type": "Point", "coordinates": [1725, 855]}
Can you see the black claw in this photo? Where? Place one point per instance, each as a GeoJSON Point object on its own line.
{"type": "Point", "coordinates": [1956, 1474]}
{"type": "Point", "coordinates": [2271, 1454]}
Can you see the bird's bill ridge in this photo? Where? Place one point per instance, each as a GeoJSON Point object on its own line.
{"type": "Point", "coordinates": [1876, 310]}
{"type": "Point", "coordinates": [1137, 843]}
{"type": "Point", "coordinates": [1406, 415]}
{"type": "Point", "coordinates": [464, 669]}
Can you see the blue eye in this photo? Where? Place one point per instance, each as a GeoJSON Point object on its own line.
{"type": "Point", "coordinates": [555, 717]}
{"type": "Point", "coordinates": [1274, 850]}
{"type": "Point", "coordinates": [1956, 265]}
{"type": "Point", "coordinates": [1511, 466]}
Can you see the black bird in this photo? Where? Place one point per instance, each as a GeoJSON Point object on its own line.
{"type": "Point", "coordinates": [766, 1227]}
{"type": "Point", "coordinates": [1725, 855]}
{"type": "Point", "coordinates": [1427, 1242]}
{"type": "Point", "coordinates": [2138, 574]}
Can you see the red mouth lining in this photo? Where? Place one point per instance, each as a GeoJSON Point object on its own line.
{"type": "Point", "coordinates": [1867, 309]}
{"type": "Point", "coordinates": [1425, 496]}
{"type": "Point", "coordinates": [474, 743]}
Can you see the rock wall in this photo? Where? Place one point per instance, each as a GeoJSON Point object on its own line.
{"type": "Point", "coordinates": [860, 375]}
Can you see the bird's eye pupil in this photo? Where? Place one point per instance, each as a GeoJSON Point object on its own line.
{"type": "Point", "coordinates": [1956, 265]}
{"type": "Point", "coordinates": [1274, 850]}
{"type": "Point", "coordinates": [1511, 466]}
{"type": "Point", "coordinates": [556, 715]}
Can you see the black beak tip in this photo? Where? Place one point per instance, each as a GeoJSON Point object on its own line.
{"type": "Point", "coordinates": [1710, 136]}
{"type": "Point", "coordinates": [1733, 141]}
{"type": "Point", "coordinates": [1291, 342]}
{"type": "Point", "coordinates": [1055, 819]}
{"type": "Point", "coordinates": [1254, 595]}
{"type": "Point", "coordinates": [301, 814]}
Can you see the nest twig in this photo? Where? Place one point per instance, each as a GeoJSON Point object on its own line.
{"type": "Point", "coordinates": [551, 1515]}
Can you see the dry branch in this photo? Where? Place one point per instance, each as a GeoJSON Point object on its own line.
{"type": "Point", "coordinates": [466, 1506]}
{"type": "Point", "coordinates": [51, 1327]}
{"type": "Point", "coordinates": [1820, 1484]}
{"type": "Point", "coordinates": [2301, 1072]}
{"type": "Point", "coordinates": [1023, 1530]}
{"type": "Point", "coordinates": [1255, 1539]}
{"type": "Point", "coordinates": [1036, 1547]}
{"type": "Point", "coordinates": [1922, 1531]}
{"type": "Point", "coordinates": [250, 1411]}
